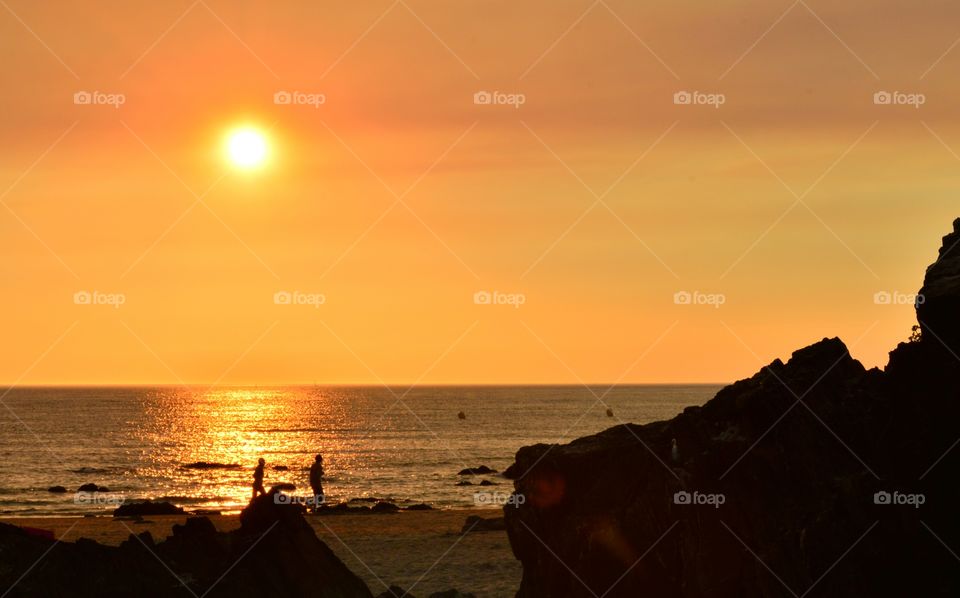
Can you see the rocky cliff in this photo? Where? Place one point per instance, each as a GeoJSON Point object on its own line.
{"type": "Point", "coordinates": [939, 308]}
{"type": "Point", "coordinates": [273, 553]}
{"type": "Point", "coordinates": [813, 477]}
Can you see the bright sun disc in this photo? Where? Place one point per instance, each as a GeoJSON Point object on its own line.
{"type": "Point", "coordinates": [247, 148]}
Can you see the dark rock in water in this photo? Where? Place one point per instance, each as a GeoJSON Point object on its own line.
{"type": "Point", "coordinates": [814, 475]}
{"type": "Point", "coordinates": [207, 465]}
{"type": "Point", "coordinates": [487, 483]}
{"type": "Point", "coordinates": [464, 483]}
{"type": "Point", "coordinates": [419, 507]}
{"type": "Point", "coordinates": [609, 412]}
{"type": "Point", "coordinates": [281, 468]}
{"type": "Point", "coordinates": [57, 489]}
{"type": "Point", "coordinates": [461, 415]}
{"type": "Point", "coordinates": [285, 486]}
{"type": "Point", "coordinates": [475, 523]}
{"type": "Point", "coordinates": [273, 553]}
{"type": "Point", "coordinates": [147, 507]}
{"type": "Point", "coordinates": [205, 512]}
{"type": "Point", "coordinates": [384, 507]}
{"type": "Point", "coordinates": [483, 469]}
{"type": "Point", "coordinates": [92, 488]}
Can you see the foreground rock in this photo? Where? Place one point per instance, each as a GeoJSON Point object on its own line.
{"type": "Point", "coordinates": [147, 507]}
{"type": "Point", "coordinates": [938, 309]}
{"type": "Point", "coordinates": [814, 477]}
{"type": "Point", "coordinates": [273, 553]}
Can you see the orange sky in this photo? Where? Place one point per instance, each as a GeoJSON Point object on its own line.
{"type": "Point", "coordinates": [399, 198]}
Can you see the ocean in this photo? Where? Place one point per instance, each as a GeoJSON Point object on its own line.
{"type": "Point", "coordinates": [402, 445]}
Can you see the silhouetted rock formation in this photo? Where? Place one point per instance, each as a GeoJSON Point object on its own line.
{"type": "Point", "coordinates": [939, 308]}
{"type": "Point", "coordinates": [147, 507]}
{"type": "Point", "coordinates": [788, 479]}
{"type": "Point", "coordinates": [273, 553]}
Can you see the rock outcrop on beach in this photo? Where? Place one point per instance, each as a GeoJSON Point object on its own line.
{"type": "Point", "coordinates": [147, 507]}
{"type": "Point", "coordinates": [814, 477]}
{"type": "Point", "coordinates": [273, 553]}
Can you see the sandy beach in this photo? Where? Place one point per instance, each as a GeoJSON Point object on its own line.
{"type": "Point", "coordinates": [420, 551]}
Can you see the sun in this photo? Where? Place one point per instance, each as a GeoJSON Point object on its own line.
{"type": "Point", "coordinates": [247, 147]}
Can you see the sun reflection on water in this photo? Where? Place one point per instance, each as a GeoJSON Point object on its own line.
{"type": "Point", "coordinates": [234, 427]}
{"type": "Point", "coordinates": [137, 440]}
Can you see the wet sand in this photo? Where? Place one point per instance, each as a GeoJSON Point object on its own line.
{"type": "Point", "coordinates": [420, 551]}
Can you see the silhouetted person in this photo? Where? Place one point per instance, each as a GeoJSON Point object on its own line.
{"type": "Point", "coordinates": [258, 478]}
{"type": "Point", "coordinates": [316, 481]}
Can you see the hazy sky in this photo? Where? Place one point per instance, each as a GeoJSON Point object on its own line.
{"type": "Point", "coordinates": [399, 198]}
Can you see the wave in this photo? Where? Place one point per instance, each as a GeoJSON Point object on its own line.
{"type": "Point", "coordinates": [89, 470]}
